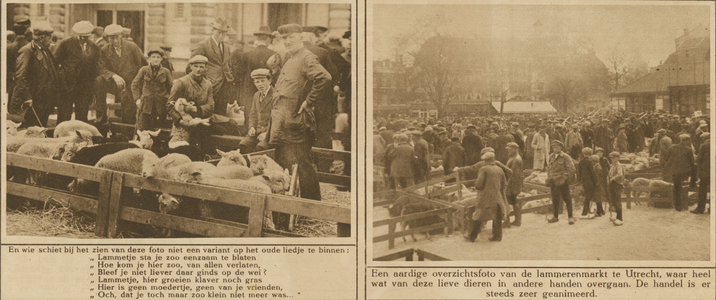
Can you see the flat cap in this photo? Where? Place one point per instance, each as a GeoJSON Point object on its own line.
{"type": "Point", "coordinates": [83, 27]}
{"type": "Point", "coordinates": [42, 29]}
{"type": "Point", "coordinates": [347, 35]}
{"type": "Point", "coordinates": [515, 124]}
{"type": "Point", "coordinates": [166, 48]}
{"type": "Point", "coordinates": [156, 50]}
{"type": "Point", "coordinates": [704, 125]}
{"type": "Point", "coordinates": [113, 29]}
{"type": "Point", "coordinates": [319, 29]}
{"type": "Point", "coordinates": [512, 145]}
{"type": "Point", "coordinates": [264, 30]}
{"type": "Point", "coordinates": [487, 149]}
{"type": "Point", "coordinates": [287, 29]}
{"type": "Point", "coordinates": [614, 154]}
{"type": "Point", "coordinates": [260, 73]}
{"type": "Point", "coordinates": [705, 136]}
{"type": "Point", "coordinates": [558, 125]}
{"type": "Point", "coordinates": [488, 156]}
{"type": "Point", "coordinates": [597, 149]}
{"type": "Point", "coordinates": [575, 126]}
{"type": "Point", "coordinates": [661, 130]}
{"type": "Point", "coordinates": [471, 126]}
{"type": "Point", "coordinates": [198, 59]}
{"type": "Point", "coordinates": [557, 143]}
{"type": "Point", "coordinates": [428, 128]}
{"type": "Point", "coordinates": [383, 128]}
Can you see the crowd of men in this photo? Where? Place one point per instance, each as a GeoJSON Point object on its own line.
{"type": "Point", "coordinates": [290, 81]}
{"type": "Point", "coordinates": [572, 149]}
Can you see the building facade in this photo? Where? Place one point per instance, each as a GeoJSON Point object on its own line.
{"type": "Point", "coordinates": [180, 25]}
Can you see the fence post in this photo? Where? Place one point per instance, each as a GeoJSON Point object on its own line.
{"type": "Point", "coordinates": [409, 255]}
{"type": "Point", "coordinates": [115, 204]}
{"type": "Point", "coordinates": [256, 217]}
{"type": "Point", "coordinates": [449, 221]}
{"type": "Point", "coordinates": [391, 232]}
{"type": "Point", "coordinates": [628, 197]}
{"type": "Point", "coordinates": [102, 214]}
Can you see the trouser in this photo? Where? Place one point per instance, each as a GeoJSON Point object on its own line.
{"type": "Point", "coordinates": [250, 144]}
{"type": "Point", "coordinates": [402, 182]}
{"type": "Point", "coordinates": [694, 177]}
{"type": "Point", "coordinates": [561, 191]}
{"type": "Point", "coordinates": [420, 172]}
{"type": "Point", "coordinates": [516, 208]}
{"type": "Point", "coordinates": [496, 225]}
{"type": "Point", "coordinates": [678, 179]}
{"type": "Point", "coordinates": [298, 153]}
{"type": "Point", "coordinates": [615, 198]}
{"type": "Point", "coordinates": [30, 119]}
{"type": "Point", "coordinates": [100, 99]}
{"type": "Point", "coordinates": [200, 136]}
{"type": "Point", "coordinates": [222, 97]}
{"type": "Point", "coordinates": [704, 187]}
{"type": "Point", "coordinates": [81, 97]}
{"type": "Point", "coordinates": [124, 97]}
{"type": "Point", "coordinates": [587, 201]}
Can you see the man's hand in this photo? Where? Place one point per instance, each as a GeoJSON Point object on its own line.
{"type": "Point", "coordinates": [26, 104]}
{"type": "Point", "coordinates": [139, 103]}
{"type": "Point", "coordinates": [119, 81]}
{"type": "Point", "coordinates": [190, 108]}
{"type": "Point", "coordinates": [252, 131]}
{"type": "Point", "coordinates": [304, 106]}
{"type": "Point", "coordinates": [456, 169]}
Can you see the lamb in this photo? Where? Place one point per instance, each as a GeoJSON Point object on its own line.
{"type": "Point", "coordinates": [127, 161]}
{"type": "Point", "coordinates": [406, 205]}
{"type": "Point", "coordinates": [160, 168]}
{"type": "Point", "coordinates": [66, 128]}
{"type": "Point", "coordinates": [12, 127]}
{"type": "Point", "coordinates": [235, 113]}
{"type": "Point", "coordinates": [89, 156]}
{"type": "Point", "coordinates": [177, 206]}
{"type": "Point", "coordinates": [230, 172]}
{"type": "Point", "coordinates": [47, 150]}
{"type": "Point", "coordinates": [263, 162]}
{"type": "Point", "coordinates": [231, 158]}
{"type": "Point", "coordinates": [32, 132]}
{"type": "Point", "coordinates": [145, 138]}
{"type": "Point", "coordinates": [14, 143]}
{"type": "Point", "coordinates": [279, 182]}
{"type": "Point", "coordinates": [182, 128]}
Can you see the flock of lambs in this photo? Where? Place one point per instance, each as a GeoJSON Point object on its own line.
{"type": "Point", "coordinates": [81, 143]}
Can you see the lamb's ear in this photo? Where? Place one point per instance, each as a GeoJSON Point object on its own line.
{"type": "Point", "coordinates": [287, 172]}
{"type": "Point", "coordinates": [241, 108]}
{"type": "Point", "coordinates": [266, 177]}
{"type": "Point", "coordinates": [81, 145]}
{"type": "Point", "coordinates": [196, 173]}
{"type": "Point", "coordinates": [78, 133]}
{"type": "Point", "coordinates": [155, 133]}
{"type": "Point", "coordinates": [222, 153]}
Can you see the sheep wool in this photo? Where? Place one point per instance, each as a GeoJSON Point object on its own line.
{"type": "Point", "coordinates": [128, 160]}
{"type": "Point", "coordinates": [231, 158]}
{"type": "Point", "coordinates": [66, 128]}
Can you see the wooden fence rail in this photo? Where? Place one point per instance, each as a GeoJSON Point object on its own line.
{"type": "Point", "coordinates": [109, 211]}
{"type": "Point", "coordinates": [409, 255]}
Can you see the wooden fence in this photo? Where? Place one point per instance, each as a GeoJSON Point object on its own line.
{"type": "Point", "coordinates": [409, 255]}
{"type": "Point", "coordinates": [109, 210]}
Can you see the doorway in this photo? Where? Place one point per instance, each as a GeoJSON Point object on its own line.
{"type": "Point", "coordinates": [133, 19]}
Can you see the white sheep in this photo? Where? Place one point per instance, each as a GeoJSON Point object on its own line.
{"type": "Point", "coordinates": [145, 140]}
{"type": "Point", "coordinates": [263, 162]}
{"type": "Point", "coordinates": [229, 172]}
{"type": "Point", "coordinates": [127, 161]}
{"type": "Point", "coordinates": [182, 129]}
{"type": "Point", "coordinates": [279, 182]}
{"type": "Point", "coordinates": [66, 128]}
{"type": "Point", "coordinates": [235, 112]}
{"type": "Point", "coordinates": [12, 127]}
{"type": "Point", "coordinates": [31, 132]}
{"type": "Point", "coordinates": [191, 172]}
{"type": "Point", "coordinates": [48, 150]}
{"type": "Point", "coordinates": [159, 168]}
{"type": "Point", "coordinates": [14, 143]}
{"type": "Point", "coordinates": [231, 158]}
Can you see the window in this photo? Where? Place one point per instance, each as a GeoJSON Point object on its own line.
{"type": "Point", "coordinates": [179, 10]}
{"type": "Point", "coordinates": [41, 10]}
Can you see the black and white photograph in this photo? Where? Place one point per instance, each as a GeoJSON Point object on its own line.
{"type": "Point", "coordinates": [178, 120]}
{"type": "Point", "coordinates": [540, 132]}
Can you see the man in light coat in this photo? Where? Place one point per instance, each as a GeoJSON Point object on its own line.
{"type": "Point", "coordinates": [559, 173]}
{"type": "Point", "coordinates": [540, 144]}
{"type": "Point", "coordinates": [491, 184]}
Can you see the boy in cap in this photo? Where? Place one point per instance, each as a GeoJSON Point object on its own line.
{"type": "Point", "coordinates": [78, 58]}
{"type": "Point", "coordinates": [560, 172]}
{"type": "Point", "coordinates": [36, 79]}
{"type": "Point", "coordinates": [151, 88]}
{"type": "Point", "coordinates": [616, 185]}
{"type": "Point", "coordinates": [251, 60]}
{"type": "Point", "coordinates": [259, 113]}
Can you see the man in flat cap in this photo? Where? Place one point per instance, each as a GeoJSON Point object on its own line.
{"type": "Point", "coordinates": [78, 58]}
{"type": "Point", "coordinates": [573, 142]}
{"type": "Point", "coordinates": [251, 60]}
{"type": "Point", "coordinates": [36, 79]}
{"type": "Point", "coordinates": [259, 113]}
{"type": "Point", "coordinates": [560, 171]}
{"type": "Point", "coordinates": [151, 89]}
{"type": "Point", "coordinates": [293, 125]}
{"type": "Point", "coordinates": [23, 35]}
{"type": "Point", "coordinates": [218, 70]}
{"type": "Point", "coordinates": [167, 55]}
{"type": "Point", "coordinates": [119, 62]}
{"type": "Point", "coordinates": [97, 36]}
{"type": "Point", "coordinates": [327, 103]}
{"type": "Point", "coordinates": [421, 168]}
{"type": "Point", "coordinates": [196, 88]}
{"type": "Point", "coordinates": [678, 161]}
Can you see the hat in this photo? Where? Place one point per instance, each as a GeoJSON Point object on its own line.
{"type": "Point", "coordinates": [661, 130]}
{"type": "Point", "coordinates": [428, 128]}
{"type": "Point", "coordinates": [287, 29]}
{"type": "Point", "coordinates": [308, 28]}
{"type": "Point", "coordinates": [586, 123]}
{"type": "Point", "coordinates": [515, 124]}
{"type": "Point", "coordinates": [264, 30]}
{"type": "Point", "coordinates": [471, 127]}
{"type": "Point", "coordinates": [42, 29]}
{"type": "Point", "coordinates": [597, 149]}
{"type": "Point", "coordinates": [512, 145]}
{"type": "Point", "coordinates": [347, 35]}
{"type": "Point", "coordinates": [113, 29]}
{"type": "Point", "coordinates": [220, 24]}
{"type": "Point", "coordinates": [383, 128]}
{"type": "Point", "coordinates": [705, 136]}
{"type": "Point", "coordinates": [557, 142]}
{"type": "Point", "coordinates": [198, 59]}
{"type": "Point", "coordinates": [494, 123]}
{"type": "Point", "coordinates": [22, 20]}
{"type": "Point", "coordinates": [166, 48]}
{"type": "Point", "coordinates": [156, 50]}
{"type": "Point", "coordinates": [587, 151]}
{"type": "Point", "coordinates": [614, 154]}
{"type": "Point", "coordinates": [702, 121]}
{"type": "Point", "coordinates": [126, 31]}
{"type": "Point", "coordinates": [703, 125]}
{"type": "Point", "coordinates": [487, 149]}
{"type": "Point", "coordinates": [232, 32]}
{"type": "Point", "coordinates": [685, 137]}
{"type": "Point", "coordinates": [488, 156]}
{"type": "Point", "coordinates": [260, 73]}
{"type": "Point", "coordinates": [83, 28]}
{"type": "Point", "coordinates": [575, 126]}
{"type": "Point", "coordinates": [416, 132]}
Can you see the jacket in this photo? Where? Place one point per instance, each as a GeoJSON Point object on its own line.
{"type": "Point", "coordinates": [251, 60]}
{"type": "Point", "coordinates": [201, 93]}
{"type": "Point", "coordinates": [571, 139]}
{"type": "Point", "coordinates": [36, 78]}
{"type": "Point", "coordinates": [586, 175]}
{"type": "Point", "coordinates": [473, 146]}
{"type": "Point", "coordinates": [491, 184]}
{"type": "Point", "coordinates": [678, 160]}
{"type": "Point", "coordinates": [514, 184]}
{"type": "Point", "coordinates": [79, 69]}
{"type": "Point", "coordinates": [218, 70]}
{"type": "Point", "coordinates": [704, 165]}
{"type": "Point", "coordinates": [286, 125]}
{"type": "Point", "coordinates": [260, 111]}
{"type": "Point", "coordinates": [616, 174]}
{"type": "Point", "coordinates": [453, 156]}
{"type": "Point", "coordinates": [560, 169]}
{"type": "Point", "coordinates": [153, 90]}
{"type": "Point", "coordinates": [127, 66]}
{"type": "Point", "coordinates": [401, 161]}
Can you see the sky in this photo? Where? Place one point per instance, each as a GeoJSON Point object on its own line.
{"type": "Point", "coordinates": [647, 31]}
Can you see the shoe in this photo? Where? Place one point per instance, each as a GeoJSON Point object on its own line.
{"type": "Point", "coordinates": [493, 239]}
{"type": "Point", "coordinates": [618, 222]}
{"type": "Point", "coordinates": [590, 216]}
{"type": "Point", "coordinates": [552, 220]}
{"type": "Point", "coordinates": [612, 219]}
{"type": "Point", "coordinates": [696, 211]}
{"type": "Point", "coordinates": [516, 224]}
{"type": "Point", "coordinates": [506, 224]}
{"type": "Point", "coordinates": [572, 221]}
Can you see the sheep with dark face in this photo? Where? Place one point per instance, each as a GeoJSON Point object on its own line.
{"type": "Point", "coordinates": [407, 205]}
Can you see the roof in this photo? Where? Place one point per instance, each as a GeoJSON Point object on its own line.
{"type": "Point", "coordinates": [523, 107]}
{"type": "Point", "coordinates": [668, 75]}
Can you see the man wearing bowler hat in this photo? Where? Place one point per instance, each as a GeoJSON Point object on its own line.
{"type": "Point", "coordinates": [119, 63]}
{"type": "Point", "coordinates": [259, 114]}
{"type": "Point", "coordinates": [23, 35]}
{"type": "Point", "coordinates": [78, 58]}
{"type": "Point", "coordinates": [36, 79]}
{"type": "Point", "coordinates": [218, 69]}
{"type": "Point", "coordinates": [252, 60]}
{"type": "Point", "coordinates": [293, 124]}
